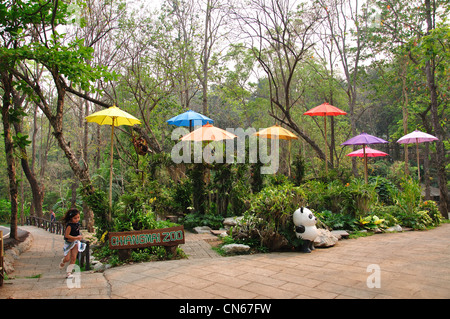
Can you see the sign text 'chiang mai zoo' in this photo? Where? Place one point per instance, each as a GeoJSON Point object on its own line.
{"type": "Point", "coordinates": [145, 238]}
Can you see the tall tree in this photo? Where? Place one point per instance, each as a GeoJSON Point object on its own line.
{"type": "Point", "coordinates": [280, 36]}
{"type": "Point", "coordinates": [346, 27]}
{"type": "Point", "coordinates": [43, 45]}
{"type": "Point", "coordinates": [420, 29]}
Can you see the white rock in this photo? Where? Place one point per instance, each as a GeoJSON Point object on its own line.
{"type": "Point", "coordinates": [394, 228]}
{"type": "Point", "coordinates": [231, 221]}
{"type": "Point", "coordinates": [235, 248]}
{"type": "Point", "coordinates": [202, 230]}
{"type": "Point", "coordinates": [340, 233]}
{"type": "Point", "coordinates": [99, 267]}
{"type": "Point", "coordinates": [325, 238]}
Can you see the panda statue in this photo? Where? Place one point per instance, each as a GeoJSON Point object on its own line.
{"type": "Point", "coordinates": [305, 228]}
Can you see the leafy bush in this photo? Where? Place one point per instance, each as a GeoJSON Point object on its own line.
{"type": "Point", "coordinates": [268, 222]}
{"type": "Point", "coordinates": [298, 170]}
{"type": "Point", "coordinates": [276, 204]}
{"type": "Point", "coordinates": [388, 213]}
{"type": "Point", "coordinates": [5, 210]}
{"type": "Point", "coordinates": [182, 196]}
{"type": "Point", "coordinates": [416, 220]}
{"type": "Point", "coordinates": [407, 196]}
{"type": "Point", "coordinates": [370, 222]}
{"type": "Point", "coordinates": [196, 219]}
{"type": "Point", "coordinates": [336, 221]}
{"type": "Point", "coordinates": [384, 188]}
{"type": "Point", "coordinates": [353, 198]}
{"type": "Point", "coordinates": [432, 208]}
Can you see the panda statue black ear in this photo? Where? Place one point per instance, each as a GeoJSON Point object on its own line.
{"type": "Point", "coordinates": [301, 209]}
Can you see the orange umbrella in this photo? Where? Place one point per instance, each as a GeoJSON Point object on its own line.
{"type": "Point", "coordinates": [208, 132]}
{"type": "Point", "coordinates": [281, 133]}
{"type": "Point", "coordinates": [325, 110]}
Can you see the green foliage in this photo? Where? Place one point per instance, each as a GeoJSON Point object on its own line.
{"type": "Point", "coordinates": [432, 210]}
{"type": "Point", "coordinates": [276, 204]}
{"type": "Point", "coordinates": [384, 189]}
{"type": "Point", "coordinates": [257, 179]}
{"type": "Point", "coordinates": [408, 195]}
{"type": "Point", "coordinates": [5, 210]}
{"type": "Point", "coordinates": [388, 213]}
{"type": "Point", "coordinates": [196, 219]}
{"type": "Point", "coordinates": [268, 221]}
{"type": "Point", "coordinates": [182, 197]}
{"type": "Point", "coordinates": [371, 222]}
{"type": "Point", "coordinates": [416, 220]}
{"type": "Point", "coordinates": [98, 202]}
{"type": "Point", "coordinates": [335, 221]}
{"type": "Point", "coordinates": [198, 187]}
{"type": "Point", "coordinates": [354, 198]}
{"type": "Point", "coordinates": [298, 170]}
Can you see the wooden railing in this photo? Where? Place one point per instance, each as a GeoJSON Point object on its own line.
{"type": "Point", "coordinates": [58, 228]}
{"type": "Point", "coordinates": [2, 271]}
{"type": "Point", "coordinates": [53, 227]}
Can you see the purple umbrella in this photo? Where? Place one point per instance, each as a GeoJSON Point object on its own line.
{"type": "Point", "coordinates": [417, 137]}
{"type": "Point", "coordinates": [364, 139]}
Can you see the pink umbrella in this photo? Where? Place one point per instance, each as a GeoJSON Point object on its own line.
{"type": "Point", "coordinates": [366, 152]}
{"type": "Point", "coordinates": [417, 137]}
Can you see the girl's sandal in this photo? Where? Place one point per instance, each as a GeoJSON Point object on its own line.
{"type": "Point", "coordinates": [69, 275]}
{"type": "Point", "coordinates": [62, 264]}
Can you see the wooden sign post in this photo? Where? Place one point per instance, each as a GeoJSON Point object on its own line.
{"type": "Point", "coordinates": [170, 238]}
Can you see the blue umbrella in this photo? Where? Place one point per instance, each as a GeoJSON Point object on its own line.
{"type": "Point", "coordinates": [189, 117]}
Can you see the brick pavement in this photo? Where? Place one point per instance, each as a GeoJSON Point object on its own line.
{"type": "Point", "coordinates": [411, 265]}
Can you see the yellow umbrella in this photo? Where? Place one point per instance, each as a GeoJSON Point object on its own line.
{"type": "Point", "coordinates": [276, 131]}
{"type": "Point", "coordinates": [281, 133]}
{"type": "Point", "coordinates": [115, 117]}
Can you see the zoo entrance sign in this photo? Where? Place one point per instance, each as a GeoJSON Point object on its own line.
{"type": "Point", "coordinates": [145, 238]}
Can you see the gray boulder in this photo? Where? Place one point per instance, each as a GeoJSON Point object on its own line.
{"type": "Point", "coordinates": [235, 248]}
{"type": "Point", "coordinates": [325, 238]}
{"type": "Point", "coordinates": [202, 230]}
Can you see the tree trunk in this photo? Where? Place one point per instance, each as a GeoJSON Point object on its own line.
{"type": "Point", "coordinates": [9, 150]}
{"type": "Point", "coordinates": [88, 213]}
{"type": "Point", "coordinates": [440, 151]}
{"type": "Point", "coordinates": [36, 189]}
{"type": "Point", "coordinates": [206, 55]}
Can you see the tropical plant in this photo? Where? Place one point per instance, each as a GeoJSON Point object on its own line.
{"type": "Point", "coordinates": [408, 196]}
{"type": "Point", "coordinates": [269, 217]}
{"type": "Point", "coordinates": [416, 220]}
{"type": "Point", "coordinates": [432, 209]}
{"type": "Point", "coordinates": [336, 221]}
{"type": "Point", "coordinates": [370, 222]}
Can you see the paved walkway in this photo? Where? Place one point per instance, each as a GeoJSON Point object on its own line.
{"type": "Point", "coordinates": [401, 265]}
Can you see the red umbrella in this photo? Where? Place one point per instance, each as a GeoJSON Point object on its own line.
{"type": "Point", "coordinates": [364, 139]}
{"type": "Point", "coordinates": [366, 152]}
{"type": "Point", "coordinates": [325, 110]}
